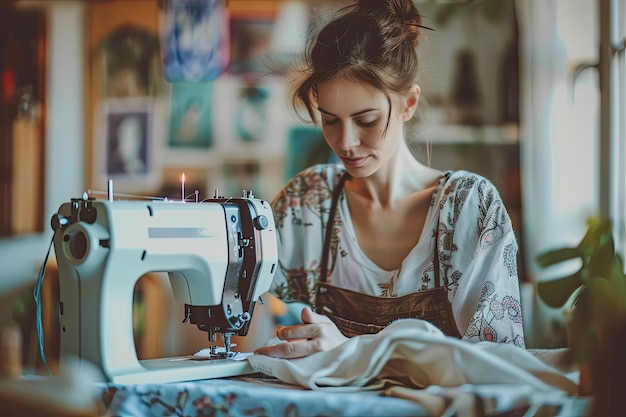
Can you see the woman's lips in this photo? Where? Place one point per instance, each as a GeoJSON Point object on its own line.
{"type": "Point", "coordinates": [354, 162]}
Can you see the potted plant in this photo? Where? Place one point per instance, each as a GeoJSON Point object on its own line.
{"type": "Point", "coordinates": [596, 296]}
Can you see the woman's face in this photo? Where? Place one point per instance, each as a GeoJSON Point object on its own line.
{"type": "Point", "coordinates": [354, 117]}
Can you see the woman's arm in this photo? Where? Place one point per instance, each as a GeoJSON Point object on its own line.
{"type": "Point", "coordinates": [481, 263]}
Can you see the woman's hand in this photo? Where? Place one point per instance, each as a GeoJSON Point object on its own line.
{"type": "Point", "coordinates": [318, 333]}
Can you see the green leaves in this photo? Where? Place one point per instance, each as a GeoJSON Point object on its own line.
{"type": "Point", "coordinates": [596, 253]}
{"type": "Point", "coordinates": [555, 293]}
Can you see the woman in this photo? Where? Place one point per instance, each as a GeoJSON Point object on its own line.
{"type": "Point", "coordinates": [381, 236]}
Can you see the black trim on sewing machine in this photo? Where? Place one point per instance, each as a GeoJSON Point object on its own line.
{"type": "Point", "coordinates": [233, 316]}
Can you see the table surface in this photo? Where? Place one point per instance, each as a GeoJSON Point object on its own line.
{"type": "Point", "coordinates": [260, 395]}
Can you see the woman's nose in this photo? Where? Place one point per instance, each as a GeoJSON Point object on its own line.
{"type": "Point", "coordinates": [348, 137]}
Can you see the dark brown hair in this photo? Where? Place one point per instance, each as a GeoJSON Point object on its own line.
{"type": "Point", "coordinates": [371, 41]}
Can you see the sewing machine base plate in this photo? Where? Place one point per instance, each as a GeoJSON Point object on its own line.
{"type": "Point", "coordinates": [183, 368]}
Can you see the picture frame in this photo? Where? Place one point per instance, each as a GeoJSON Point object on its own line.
{"type": "Point", "coordinates": [125, 152]}
{"type": "Point", "coordinates": [250, 36]}
{"type": "Point", "coordinates": [195, 37]}
{"type": "Point", "coordinates": [253, 118]}
{"type": "Point", "coordinates": [191, 120]}
{"type": "Point", "coordinates": [130, 62]}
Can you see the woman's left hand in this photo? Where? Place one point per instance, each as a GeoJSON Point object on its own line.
{"type": "Point", "coordinates": [316, 334]}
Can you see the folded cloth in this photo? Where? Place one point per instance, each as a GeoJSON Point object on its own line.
{"type": "Point", "coordinates": [413, 353]}
{"type": "Point", "coordinates": [480, 400]}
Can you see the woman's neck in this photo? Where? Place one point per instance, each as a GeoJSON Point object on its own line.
{"type": "Point", "coordinates": [401, 176]}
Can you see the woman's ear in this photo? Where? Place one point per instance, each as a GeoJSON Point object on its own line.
{"type": "Point", "coordinates": [410, 102]}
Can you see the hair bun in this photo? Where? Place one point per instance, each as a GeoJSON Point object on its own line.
{"type": "Point", "coordinates": [402, 14]}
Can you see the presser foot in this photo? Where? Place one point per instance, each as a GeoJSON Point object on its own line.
{"type": "Point", "coordinates": [223, 352]}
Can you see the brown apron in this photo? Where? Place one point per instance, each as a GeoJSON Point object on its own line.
{"type": "Point", "coordinates": [356, 313]}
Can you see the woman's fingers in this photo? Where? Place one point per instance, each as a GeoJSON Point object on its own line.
{"type": "Point", "coordinates": [299, 331]}
{"type": "Point", "coordinates": [309, 316]}
{"type": "Point", "coordinates": [289, 350]}
{"type": "Point", "coordinates": [318, 333]}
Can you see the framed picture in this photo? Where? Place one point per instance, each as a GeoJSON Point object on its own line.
{"type": "Point", "coordinates": [195, 39]}
{"type": "Point", "coordinates": [127, 143]}
{"type": "Point", "coordinates": [253, 117]}
{"type": "Point", "coordinates": [250, 45]}
{"type": "Point", "coordinates": [130, 62]}
{"type": "Point", "coordinates": [191, 116]}
{"type": "Point", "coordinates": [250, 119]}
{"type": "Point", "coordinates": [126, 150]}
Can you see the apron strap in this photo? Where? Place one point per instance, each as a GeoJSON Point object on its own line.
{"type": "Point", "coordinates": [330, 223]}
{"type": "Point", "coordinates": [436, 255]}
{"type": "Point", "coordinates": [436, 264]}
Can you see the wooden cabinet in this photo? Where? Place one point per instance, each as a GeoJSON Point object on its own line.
{"type": "Point", "coordinates": [22, 120]}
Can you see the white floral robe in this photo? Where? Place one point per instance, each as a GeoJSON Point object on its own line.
{"type": "Point", "coordinates": [477, 251]}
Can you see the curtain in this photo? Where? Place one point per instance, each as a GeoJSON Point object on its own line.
{"type": "Point", "coordinates": [558, 142]}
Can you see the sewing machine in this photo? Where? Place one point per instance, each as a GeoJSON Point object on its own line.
{"type": "Point", "coordinates": [220, 255]}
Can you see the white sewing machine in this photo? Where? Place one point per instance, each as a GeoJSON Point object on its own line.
{"type": "Point", "coordinates": [220, 255]}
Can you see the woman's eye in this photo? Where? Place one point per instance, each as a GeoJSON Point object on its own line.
{"type": "Point", "coordinates": [330, 122]}
{"type": "Point", "coordinates": [367, 124]}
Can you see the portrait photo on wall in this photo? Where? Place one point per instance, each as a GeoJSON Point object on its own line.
{"type": "Point", "coordinates": [127, 140]}
{"type": "Point", "coordinates": [190, 123]}
{"type": "Point", "coordinates": [130, 61]}
{"type": "Point", "coordinates": [124, 149]}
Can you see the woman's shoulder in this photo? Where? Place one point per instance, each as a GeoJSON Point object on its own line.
{"type": "Point", "coordinates": [460, 187]}
{"type": "Point", "coordinates": [308, 190]}
{"type": "Point", "coordinates": [314, 178]}
{"type": "Point", "coordinates": [463, 176]}
{"type": "Point", "coordinates": [465, 181]}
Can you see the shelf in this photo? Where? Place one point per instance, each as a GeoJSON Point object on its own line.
{"type": "Point", "coordinates": [462, 134]}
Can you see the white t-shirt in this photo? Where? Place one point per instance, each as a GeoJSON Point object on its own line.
{"type": "Point", "coordinates": [477, 251]}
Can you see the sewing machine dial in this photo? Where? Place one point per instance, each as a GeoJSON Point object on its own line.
{"type": "Point", "coordinates": [80, 240]}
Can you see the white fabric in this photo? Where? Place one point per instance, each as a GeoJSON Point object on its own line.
{"type": "Point", "coordinates": [418, 355]}
{"type": "Point", "coordinates": [410, 354]}
{"type": "Point", "coordinates": [477, 251]}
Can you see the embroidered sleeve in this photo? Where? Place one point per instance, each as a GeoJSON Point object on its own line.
{"type": "Point", "coordinates": [300, 212]}
{"type": "Point", "coordinates": [479, 251]}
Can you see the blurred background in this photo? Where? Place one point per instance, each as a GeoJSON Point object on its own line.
{"type": "Point", "coordinates": [144, 91]}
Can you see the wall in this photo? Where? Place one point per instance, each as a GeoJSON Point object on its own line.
{"type": "Point", "coordinates": [21, 257]}
{"type": "Point", "coordinates": [239, 122]}
{"type": "Point", "coordinates": [70, 134]}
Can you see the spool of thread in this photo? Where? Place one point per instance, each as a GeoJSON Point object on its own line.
{"type": "Point", "coordinates": [10, 352]}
